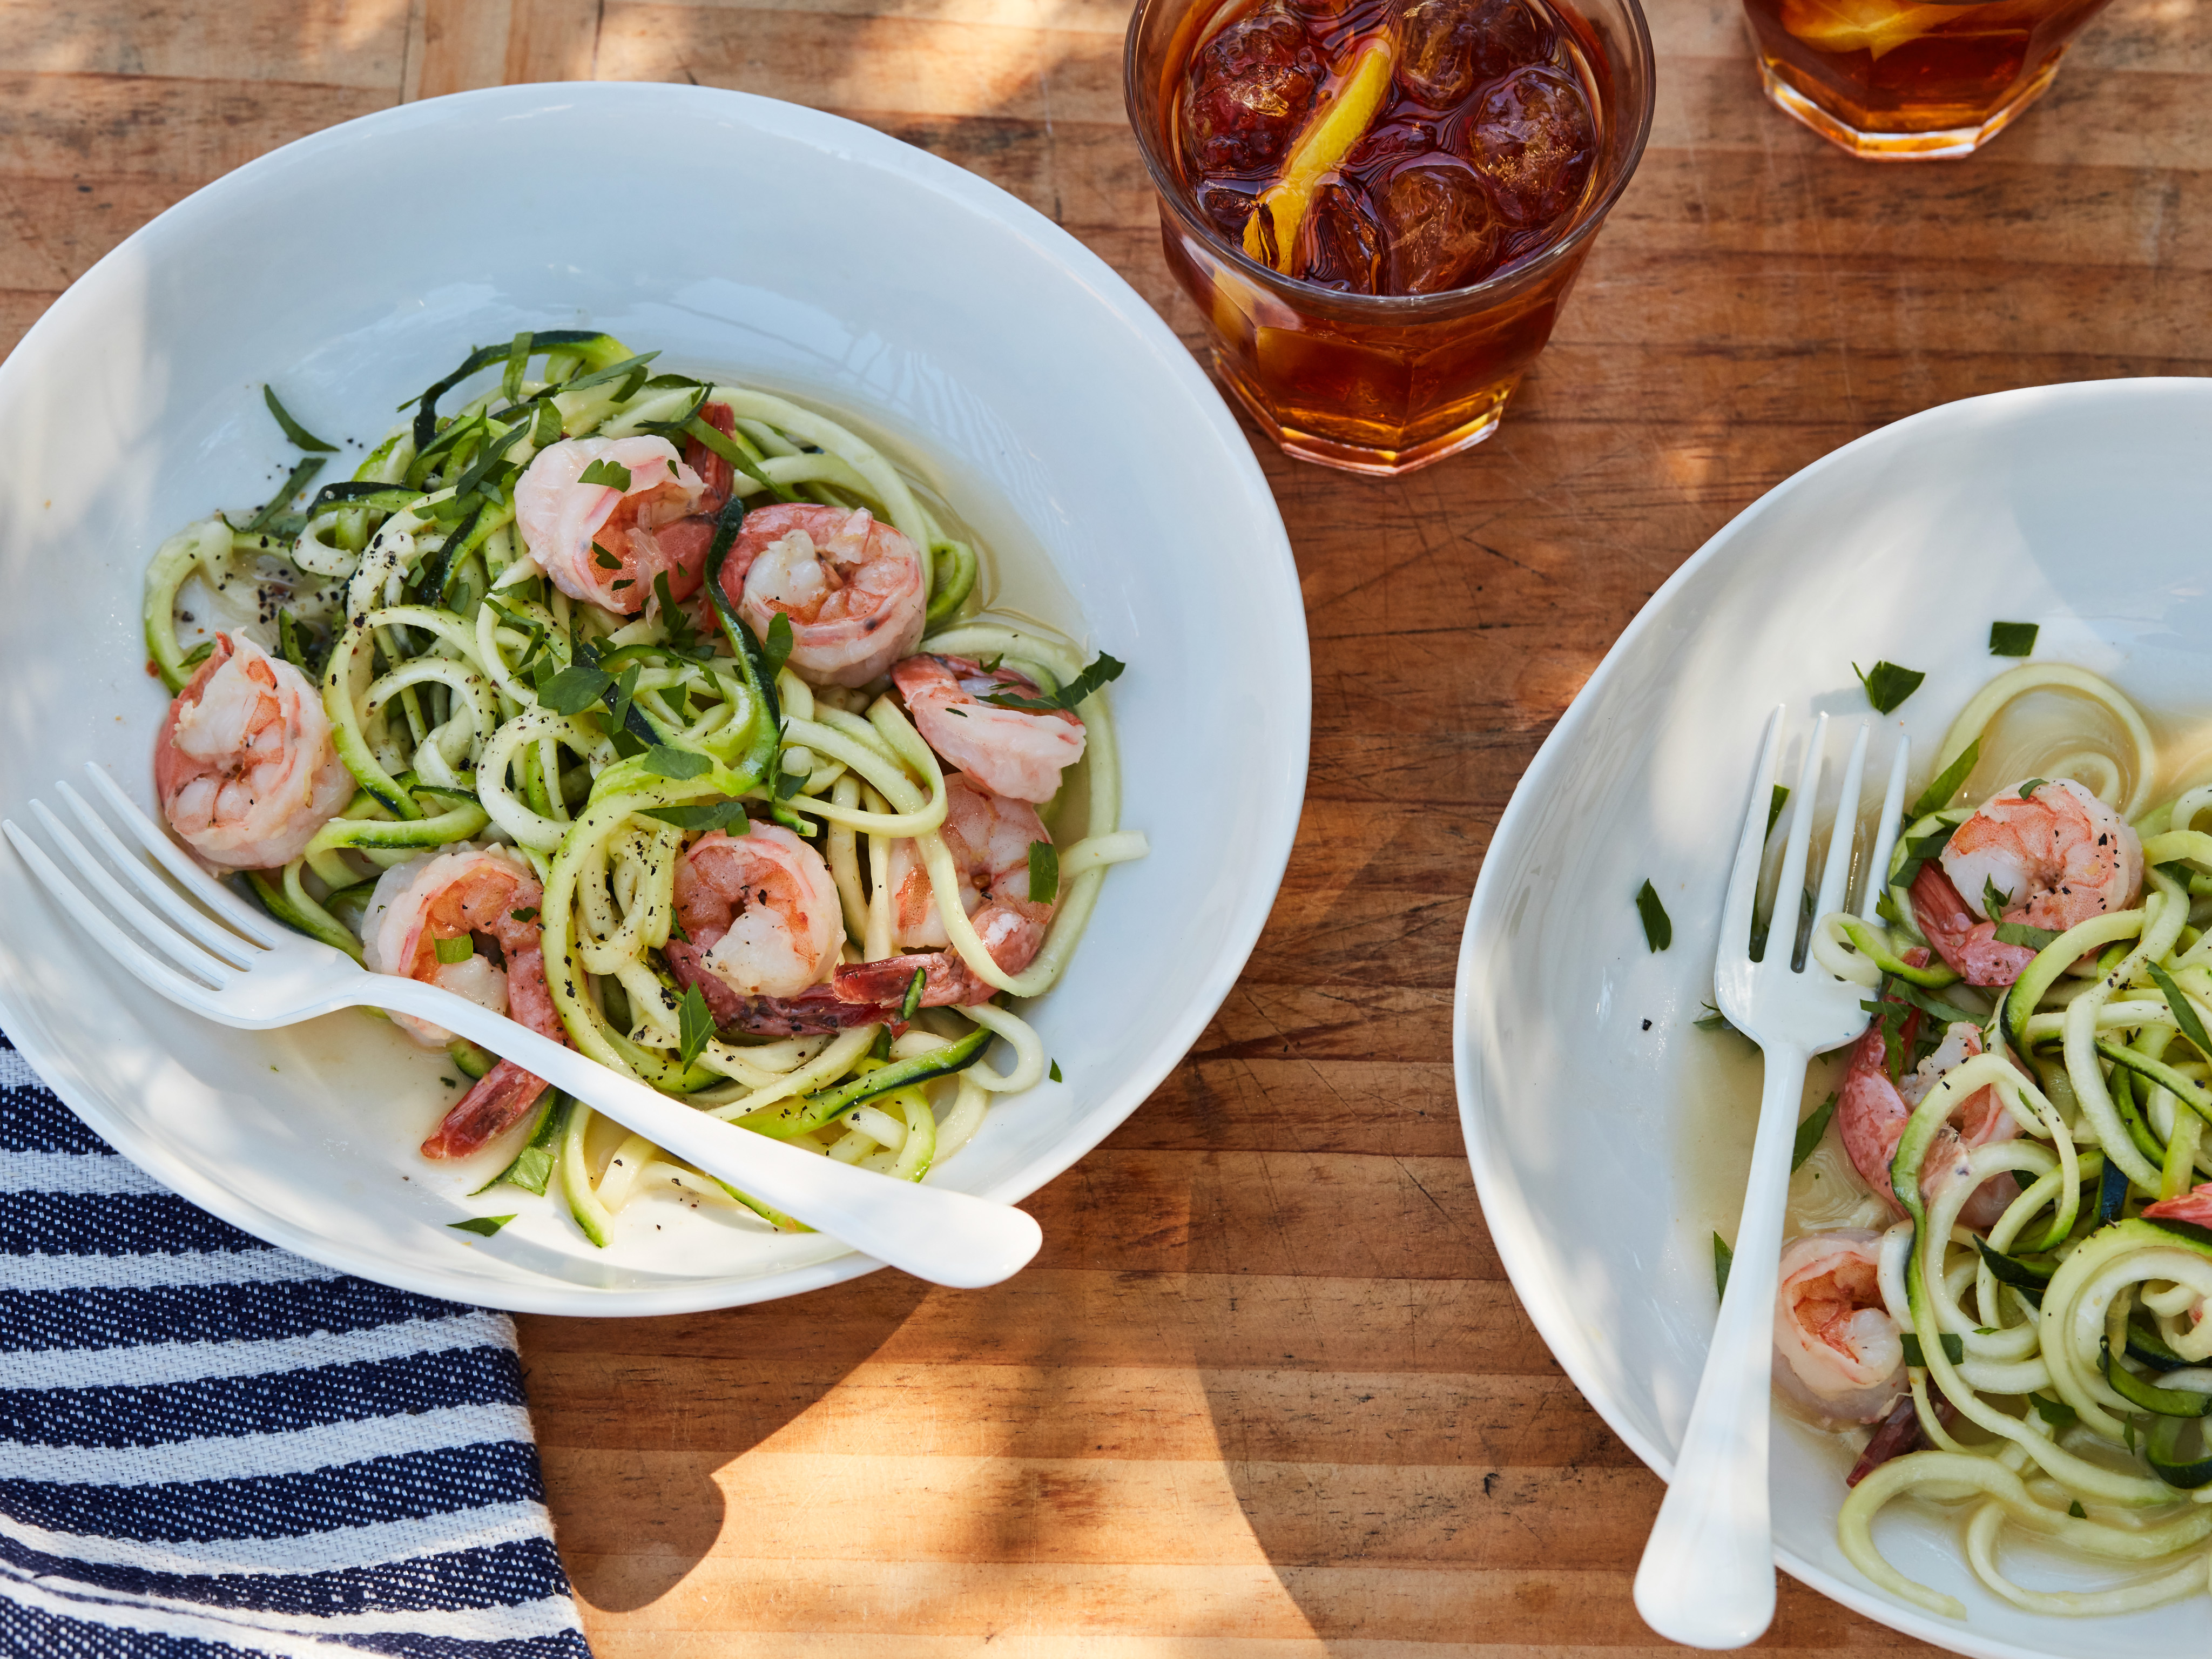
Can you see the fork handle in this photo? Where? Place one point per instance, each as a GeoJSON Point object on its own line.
{"type": "Point", "coordinates": [1707, 1577]}
{"type": "Point", "coordinates": [935, 1233]}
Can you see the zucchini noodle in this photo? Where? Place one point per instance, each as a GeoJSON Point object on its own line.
{"type": "Point", "coordinates": [2056, 1337]}
{"type": "Point", "coordinates": [487, 697]}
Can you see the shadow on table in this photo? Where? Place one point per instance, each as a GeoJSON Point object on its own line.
{"type": "Point", "coordinates": [636, 1419]}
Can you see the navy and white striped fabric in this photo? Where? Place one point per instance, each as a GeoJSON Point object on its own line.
{"type": "Point", "coordinates": [209, 1448]}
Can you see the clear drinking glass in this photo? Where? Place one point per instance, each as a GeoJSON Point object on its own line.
{"type": "Point", "coordinates": [1904, 81]}
{"type": "Point", "coordinates": [1369, 382]}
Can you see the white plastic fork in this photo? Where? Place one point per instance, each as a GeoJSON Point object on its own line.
{"type": "Point", "coordinates": [222, 958]}
{"type": "Point", "coordinates": [1707, 1575]}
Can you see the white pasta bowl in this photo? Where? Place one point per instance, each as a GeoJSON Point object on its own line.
{"type": "Point", "coordinates": [1609, 1137]}
{"type": "Point", "coordinates": [770, 244]}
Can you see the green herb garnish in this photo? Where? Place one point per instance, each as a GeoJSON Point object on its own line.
{"type": "Point", "coordinates": [605, 560]}
{"type": "Point", "coordinates": [1102, 670]}
{"type": "Point", "coordinates": [1995, 902]}
{"type": "Point", "coordinates": [1658, 928]}
{"type": "Point", "coordinates": [912, 1005]}
{"type": "Point", "coordinates": [694, 1024]}
{"type": "Point", "coordinates": [1887, 685]}
{"type": "Point", "coordinates": [1955, 1349]}
{"type": "Point", "coordinates": [612, 474]}
{"type": "Point", "coordinates": [717, 815]}
{"type": "Point", "coordinates": [1938, 794]}
{"type": "Point", "coordinates": [2056, 1413]}
{"type": "Point", "coordinates": [301, 476]}
{"type": "Point", "coordinates": [775, 647]}
{"type": "Point", "coordinates": [1723, 1259]}
{"type": "Point", "coordinates": [2184, 1012]}
{"type": "Point", "coordinates": [483, 1224]}
{"type": "Point", "coordinates": [1054, 1072]}
{"type": "Point", "coordinates": [1044, 873]}
{"type": "Point", "coordinates": [574, 689]}
{"type": "Point", "coordinates": [2018, 932]}
{"type": "Point", "coordinates": [2012, 638]}
{"type": "Point", "coordinates": [1809, 1133]}
{"type": "Point", "coordinates": [665, 761]}
{"type": "Point", "coordinates": [1774, 808]}
{"type": "Point", "coordinates": [459, 948]}
{"type": "Point", "coordinates": [2026, 791]}
{"type": "Point", "coordinates": [299, 435]}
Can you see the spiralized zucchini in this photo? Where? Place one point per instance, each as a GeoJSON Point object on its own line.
{"type": "Point", "coordinates": [2069, 1337]}
{"type": "Point", "coordinates": [450, 667]}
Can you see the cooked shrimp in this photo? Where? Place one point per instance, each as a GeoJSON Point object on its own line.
{"type": "Point", "coordinates": [1838, 1353]}
{"type": "Point", "coordinates": [761, 909]}
{"type": "Point", "coordinates": [605, 546]}
{"type": "Point", "coordinates": [1871, 1114]}
{"type": "Point", "coordinates": [989, 838]}
{"type": "Point", "coordinates": [2195, 1206]}
{"type": "Point", "coordinates": [851, 585]}
{"type": "Point", "coordinates": [2052, 859]}
{"type": "Point", "coordinates": [1015, 752]}
{"type": "Point", "coordinates": [489, 897]}
{"type": "Point", "coordinates": [244, 766]}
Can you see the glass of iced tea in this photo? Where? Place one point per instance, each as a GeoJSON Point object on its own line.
{"type": "Point", "coordinates": [1380, 204]}
{"type": "Point", "coordinates": [1900, 81]}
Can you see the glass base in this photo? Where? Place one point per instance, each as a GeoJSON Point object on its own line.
{"type": "Point", "coordinates": [1947, 143]}
{"type": "Point", "coordinates": [1372, 460]}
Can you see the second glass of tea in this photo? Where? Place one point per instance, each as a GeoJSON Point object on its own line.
{"type": "Point", "coordinates": [1380, 204]}
{"type": "Point", "coordinates": [1901, 80]}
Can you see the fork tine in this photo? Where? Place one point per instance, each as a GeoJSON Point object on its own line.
{"type": "Point", "coordinates": [1790, 894]}
{"type": "Point", "coordinates": [1885, 835]}
{"type": "Point", "coordinates": [1835, 874]}
{"type": "Point", "coordinates": [193, 879]}
{"type": "Point", "coordinates": [150, 927]}
{"type": "Point", "coordinates": [1751, 849]}
{"type": "Point", "coordinates": [165, 897]}
{"type": "Point", "coordinates": [126, 950]}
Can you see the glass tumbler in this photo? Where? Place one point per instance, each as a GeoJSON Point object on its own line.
{"type": "Point", "coordinates": [1903, 80]}
{"type": "Point", "coordinates": [1381, 383]}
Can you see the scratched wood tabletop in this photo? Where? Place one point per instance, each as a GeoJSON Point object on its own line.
{"type": "Point", "coordinates": [1266, 1392]}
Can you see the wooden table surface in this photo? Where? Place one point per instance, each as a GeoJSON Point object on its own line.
{"type": "Point", "coordinates": [1266, 1393]}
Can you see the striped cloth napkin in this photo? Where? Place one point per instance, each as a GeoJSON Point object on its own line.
{"type": "Point", "coordinates": [211, 1448]}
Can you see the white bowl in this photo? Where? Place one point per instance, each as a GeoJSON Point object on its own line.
{"type": "Point", "coordinates": [1602, 1162]}
{"type": "Point", "coordinates": [785, 247]}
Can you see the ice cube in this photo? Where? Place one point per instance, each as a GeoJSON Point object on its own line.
{"type": "Point", "coordinates": [1389, 140]}
{"type": "Point", "coordinates": [1532, 137]}
{"type": "Point", "coordinates": [1246, 92]}
{"type": "Point", "coordinates": [1344, 247]}
{"type": "Point", "coordinates": [1448, 47]}
{"type": "Point", "coordinates": [1440, 228]}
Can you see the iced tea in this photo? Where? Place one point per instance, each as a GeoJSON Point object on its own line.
{"type": "Point", "coordinates": [1380, 203]}
{"type": "Point", "coordinates": [1898, 79]}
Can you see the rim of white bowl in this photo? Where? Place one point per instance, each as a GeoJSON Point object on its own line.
{"type": "Point", "coordinates": [1501, 1196]}
{"type": "Point", "coordinates": [1268, 853]}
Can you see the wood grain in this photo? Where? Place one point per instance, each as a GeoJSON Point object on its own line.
{"type": "Point", "coordinates": [1267, 1394]}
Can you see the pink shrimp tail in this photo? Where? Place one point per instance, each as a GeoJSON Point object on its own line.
{"type": "Point", "coordinates": [2193, 1205]}
{"type": "Point", "coordinates": [169, 765]}
{"type": "Point", "coordinates": [815, 1011]}
{"type": "Point", "coordinates": [1968, 946]}
{"type": "Point", "coordinates": [1899, 1433]}
{"type": "Point", "coordinates": [502, 1098]}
